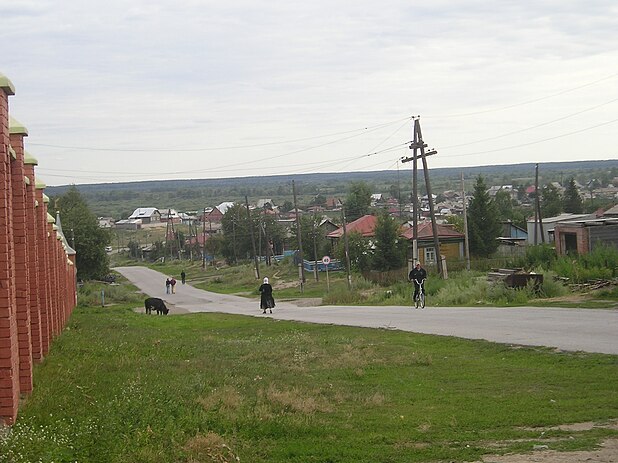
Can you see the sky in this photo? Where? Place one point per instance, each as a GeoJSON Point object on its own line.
{"type": "Point", "coordinates": [120, 91]}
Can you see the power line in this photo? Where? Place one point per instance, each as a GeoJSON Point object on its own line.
{"type": "Point", "coordinates": [533, 142]}
{"type": "Point", "coordinates": [542, 124]}
{"type": "Point", "coordinates": [523, 103]}
{"type": "Point", "coordinates": [233, 147]}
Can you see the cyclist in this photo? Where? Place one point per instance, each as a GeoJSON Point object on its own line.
{"type": "Point", "coordinates": [417, 275]}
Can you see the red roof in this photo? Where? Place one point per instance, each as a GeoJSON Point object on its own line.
{"type": "Point", "coordinates": [365, 226]}
{"type": "Point", "coordinates": [426, 232]}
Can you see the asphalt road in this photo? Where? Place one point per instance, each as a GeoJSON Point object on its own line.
{"type": "Point", "coordinates": [588, 330]}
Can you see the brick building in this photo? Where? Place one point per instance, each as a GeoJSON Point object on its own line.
{"type": "Point", "coordinates": [37, 267]}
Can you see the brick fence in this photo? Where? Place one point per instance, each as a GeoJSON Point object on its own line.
{"type": "Point", "coordinates": [37, 266]}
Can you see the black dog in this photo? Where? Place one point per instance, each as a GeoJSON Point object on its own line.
{"type": "Point", "coordinates": [157, 304]}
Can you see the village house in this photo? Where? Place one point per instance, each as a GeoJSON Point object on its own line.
{"type": "Point", "coordinates": [146, 215]}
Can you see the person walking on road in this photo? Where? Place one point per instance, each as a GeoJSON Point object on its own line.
{"type": "Point", "coordinates": [183, 277]}
{"type": "Point", "coordinates": [167, 286]}
{"type": "Point", "coordinates": [266, 300]}
{"type": "Point", "coordinates": [173, 285]}
{"type": "Point", "coordinates": [417, 276]}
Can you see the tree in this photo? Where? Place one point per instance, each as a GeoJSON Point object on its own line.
{"type": "Point", "coordinates": [572, 200]}
{"type": "Point", "coordinates": [389, 252]}
{"type": "Point", "coordinates": [308, 230]}
{"type": "Point", "coordinates": [504, 205]}
{"type": "Point", "coordinates": [237, 232]}
{"type": "Point", "coordinates": [483, 224]}
{"type": "Point", "coordinates": [359, 251]}
{"type": "Point", "coordinates": [358, 201]}
{"type": "Point", "coordinates": [551, 201]}
{"type": "Point", "coordinates": [287, 206]}
{"type": "Point", "coordinates": [319, 200]}
{"type": "Point", "coordinates": [81, 226]}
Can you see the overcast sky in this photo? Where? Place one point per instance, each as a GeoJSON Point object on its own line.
{"type": "Point", "coordinates": [129, 91]}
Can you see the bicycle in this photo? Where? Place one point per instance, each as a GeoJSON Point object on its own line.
{"type": "Point", "coordinates": [419, 302]}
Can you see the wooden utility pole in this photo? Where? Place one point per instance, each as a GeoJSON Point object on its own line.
{"type": "Point", "coordinates": [315, 249]}
{"type": "Point", "coordinates": [465, 220]}
{"type": "Point", "coordinates": [538, 217]}
{"type": "Point", "coordinates": [301, 267]}
{"type": "Point", "coordinates": [203, 239]}
{"type": "Point", "coordinates": [255, 259]}
{"type": "Point", "coordinates": [346, 248]}
{"type": "Point", "coordinates": [434, 225]}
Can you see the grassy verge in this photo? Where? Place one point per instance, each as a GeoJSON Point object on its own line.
{"type": "Point", "coordinates": [120, 386]}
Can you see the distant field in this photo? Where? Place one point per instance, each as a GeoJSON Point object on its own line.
{"type": "Point", "coordinates": [120, 386]}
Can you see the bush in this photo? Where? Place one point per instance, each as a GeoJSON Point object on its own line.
{"type": "Point", "coordinates": [601, 263]}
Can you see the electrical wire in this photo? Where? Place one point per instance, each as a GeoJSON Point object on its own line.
{"type": "Point", "coordinates": [523, 103]}
{"type": "Point", "coordinates": [233, 147]}
{"type": "Point", "coordinates": [532, 142]}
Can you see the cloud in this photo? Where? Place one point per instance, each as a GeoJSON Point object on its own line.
{"type": "Point", "coordinates": [156, 75]}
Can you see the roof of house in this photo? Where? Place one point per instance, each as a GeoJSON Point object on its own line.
{"type": "Point", "coordinates": [425, 231]}
{"type": "Point", "coordinates": [142, 212]}
{"type": "Point", "coordinates": [565, 216]}
{"type": "Point", "coordinates": [612, 210]}
{"type": "Point", "coordinates": [365, 226]}
{"type": "Point", "coordinates": [223, 207]}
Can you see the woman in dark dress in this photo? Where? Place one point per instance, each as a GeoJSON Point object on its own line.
{"type": "Point", "coordinates": [266, 299]}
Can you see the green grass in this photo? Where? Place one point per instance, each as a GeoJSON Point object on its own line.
{"type": "Point", "coordinates": [119, 386]}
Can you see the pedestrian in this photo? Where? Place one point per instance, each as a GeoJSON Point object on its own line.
{"type": "Point", "coordinates": [266, 299]}
{"type": "Point", "coordinates": [417, 275]}
{"type": "Point", "coordinates": [183, 277]}
{"type": "Point", "coordinates": [173, 285]}
{"type": "Point", "coordinates": [167, 286]}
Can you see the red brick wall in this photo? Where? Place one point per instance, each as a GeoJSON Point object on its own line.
{"type": "Point", "coordinates": [9, 350]}
{"type": "Point", "coordinates": [37, 282]}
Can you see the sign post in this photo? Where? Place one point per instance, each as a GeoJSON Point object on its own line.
{"type": "Point", "coordinates": [326, 261]}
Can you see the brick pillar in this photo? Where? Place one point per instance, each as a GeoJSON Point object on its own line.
{"type": "Point", "coordinates": [33, 258]}
{"type": "Point", "coordinates": [43, 265]}
{"type": "Point", "coordinates": [17, 132]}
{"type": "Point", "coordinates": [9, 349]}
{"type": "Point", "coordinates": [56, 306]}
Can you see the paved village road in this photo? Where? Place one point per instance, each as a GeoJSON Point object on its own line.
{"type": "Point", "coordinates": [588, 330]}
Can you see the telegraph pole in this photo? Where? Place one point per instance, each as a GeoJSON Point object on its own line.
{"type": "Point", "coordinates": [418, 144]}
{"type": "Point", "coordinates": [346, 247]}
{"type": "Point", "coordinates": [434, 225]}
{"type": "Point", "coordinates": [465, 220]}
{"type": "Point", "coordinates": [537, 208]}
{"type": "Point", "coordinates": [255, 259]}
{"type": "Point", "coordinates": [203, 239]}
{"type": "Point", "coordinates": [301, 267]}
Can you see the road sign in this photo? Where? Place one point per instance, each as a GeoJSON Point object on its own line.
{"type": "Point", "coordinates": [326, 260]}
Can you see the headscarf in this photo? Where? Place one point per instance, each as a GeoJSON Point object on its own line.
{"type": "Point", "coordinates": [265, 280]}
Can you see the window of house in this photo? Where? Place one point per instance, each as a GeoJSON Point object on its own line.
{"type": "Point", "coordinates": [430, 255]}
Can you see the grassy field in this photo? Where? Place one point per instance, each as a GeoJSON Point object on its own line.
{"type": "Point", "coordinates": [120, 386]}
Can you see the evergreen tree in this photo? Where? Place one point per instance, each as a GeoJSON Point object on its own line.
{"type": "Point", "coordinates": [358, 201]}
{"type": "Point", "coordinates": [504, 205]}
{"type": "Point", "coordinates": [389, 252]}
{"type": "Point", "coordinates": [572, 200]}
{"type": "Point", "coordinates": [82, 231]}
{"type": "Point", "coordinates": [483, 224]}
{"type": "Point", "coordinates": [551, 201]}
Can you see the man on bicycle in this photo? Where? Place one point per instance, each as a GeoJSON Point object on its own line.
{"type": "Point", "coordinates": [417, 275]}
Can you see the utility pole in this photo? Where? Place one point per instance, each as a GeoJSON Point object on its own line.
{"type": "Point", "coordinates": [203, 239]}
{"type": "Point", "coordinates": [255, 259]}
{"type": "Point", "coordinates": [347, 249]}
{"type": "Point", "coordinates": [465, 220]}
{"type": "Point", "coordinates": [434, 225]}
{"type": "Point", "coordinates": [315, 249]}
{"type": "Point", "coordinates": [167, 236]}
{"type": "Point", "coordinates": [301, 267]}
{"type": "Point", "coordinates": [537, 208]}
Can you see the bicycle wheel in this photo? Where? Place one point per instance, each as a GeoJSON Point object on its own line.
{"type": "Point", "coordinates": [417, 301]}
{"type": "Point", "coordinates": [421, 300]}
